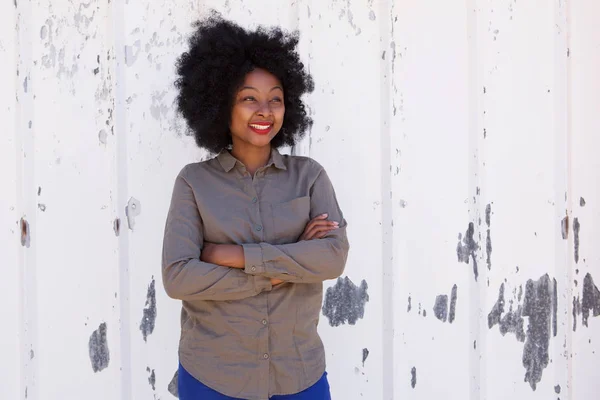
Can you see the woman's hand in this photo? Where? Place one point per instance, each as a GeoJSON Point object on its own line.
{"type": "Point", "coordinates": [318, 227]}
{"type": "Point", "coordinates": [227, 255]}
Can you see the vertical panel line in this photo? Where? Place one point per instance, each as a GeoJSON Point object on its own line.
{"type": "Point", "coordinates": [26, 198]}
{"type": "Point", "coordinates": [386, 31]}
{"type": "Point", "coordinates": [120, 109]}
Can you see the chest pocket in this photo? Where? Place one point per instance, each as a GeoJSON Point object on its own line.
{"type": "Point", "coordinates": [289, 219]}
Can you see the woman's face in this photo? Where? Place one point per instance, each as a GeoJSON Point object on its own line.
{"type": "Point", "coordinates": [258, 109]}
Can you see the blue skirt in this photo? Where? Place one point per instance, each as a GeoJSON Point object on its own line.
{"type": "Point", "coordinates": [192, 389]}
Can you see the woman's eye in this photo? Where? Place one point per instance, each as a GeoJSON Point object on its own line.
{"type": "Point", "coordinates": [276, 100]}
{"type": "Point", "coordinates": [248, 98]}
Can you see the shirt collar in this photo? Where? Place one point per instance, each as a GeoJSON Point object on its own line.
{"type": "Point", "coordinates": [228, 161]}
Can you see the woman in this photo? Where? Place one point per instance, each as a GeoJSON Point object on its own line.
{"type": "Point", "coordinates": [251, 234]}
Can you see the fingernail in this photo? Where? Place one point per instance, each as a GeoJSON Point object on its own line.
{"type": "Point", "coordinates": [323, 215]}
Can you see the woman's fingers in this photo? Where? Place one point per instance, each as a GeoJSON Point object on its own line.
{"type": "Point", "coordinates": [319, 227]}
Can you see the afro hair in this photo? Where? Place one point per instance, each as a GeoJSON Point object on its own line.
{"type": "Point", "coordinates": [209, 74]}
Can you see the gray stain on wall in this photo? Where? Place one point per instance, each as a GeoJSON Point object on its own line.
{"type": "Point", "coordinates": [345, 302]}
{"type": "Point", "coordinates": [413, 377]}
{"type": "Point", "coordinates": [468, 248]}
{"type": "Point", "coordinates": [149, 317]}
{"type": "Point", "coordinates": [365, 355]}
{"type": "Point", "coordinates": [98, 349]}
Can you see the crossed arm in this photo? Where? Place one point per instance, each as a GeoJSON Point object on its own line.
{"type": "Point", "coordinates": [232, 255]}
{"type": "Point", "coordinates": [195, 270]}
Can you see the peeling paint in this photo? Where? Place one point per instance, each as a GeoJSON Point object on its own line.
{"type": "Point", "coordinates": [453, 298]}
{"type": "Point", "coordinates": [132, 53]}
{"type": "Point", "coordinates": [151, 378]}
{"type": "Point", "coordinates": [581, 202]}
{"type": "Point", "coordinates": [173, 387]}
{"type": "Point", "coordinates": [365, 355]}
{"type": "Point", "coordinates": [25, 235]}
{"type": "Point", "coordinates": [488, 239]}
{"type": "Point", "coordinates": [345, 302]}
{"type": "Point", "coordinates": [409, 304]}
{"type": "Point", "coordinates": [149, 313]}
{"type": "Point", "coordinates": [440, 309]}
{"type": "Point", "coordinates": [158, 109]}
{"type": "Point", "coordinates": [590, 300]}
{"type": "Point", "coordinates": [117, 226]}
{"type": "Point", "coordinates": [564, 227]}
{"type": "Point", "coordinates": [372, 16]}
{"type": "Point", "coordinates": [102, 135]}
{"type": "Point", "coordinates": [98, 349]}
{"type": "Point", "coordinates": [42, 207]}
{"type": "Point", "coordinates": [537, 306]}
{"type": "Point", "coordinates": [413, 377]}
{"type": "Point", "coordinates": [468, 248]}
{"type": "Point", "coordinates": [133, 209]}
{"type": "Point", "coordinates": [557, 389]}
{"type": "Point", "coordinates": [576, 227]}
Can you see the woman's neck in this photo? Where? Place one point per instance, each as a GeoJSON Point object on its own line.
{"type": "Point", "coordinates": [252, 157]}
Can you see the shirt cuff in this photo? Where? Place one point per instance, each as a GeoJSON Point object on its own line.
{"type": "Point", "coordinates": [253, 262]}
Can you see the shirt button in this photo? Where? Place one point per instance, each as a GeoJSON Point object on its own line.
{"type": "Point", "coordinates": [264, 321]}
{"type": "Point", "coordinates": [254, 200]}
{"type": "Point", "coordinates": [265, 356]}
{"type": "Point", "coordinates": [258, 228]}
{"type": "Point", "coordinates": [253, 269]}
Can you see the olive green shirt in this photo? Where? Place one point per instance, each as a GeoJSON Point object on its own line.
{"type": "Point", "coordinates": [239, 335]}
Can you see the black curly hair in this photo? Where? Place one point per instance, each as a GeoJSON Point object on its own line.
{"type": "Point", "coordinates": [220, 55]}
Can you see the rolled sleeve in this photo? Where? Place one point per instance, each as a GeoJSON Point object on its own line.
{"type": "Point", "coordinates": [253, 261]}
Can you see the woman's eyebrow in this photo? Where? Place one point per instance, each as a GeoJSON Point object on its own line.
{"type": "Point", "coordinates": [255, 89]}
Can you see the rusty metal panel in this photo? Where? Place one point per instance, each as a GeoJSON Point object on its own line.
{"type": "Point", "coordinates": [462, 143]}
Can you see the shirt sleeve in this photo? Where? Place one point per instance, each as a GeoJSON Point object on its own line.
{"type": "Point", "coordinates": [187, 278]}
{"type": "Point", "coordinates": [306, 261]}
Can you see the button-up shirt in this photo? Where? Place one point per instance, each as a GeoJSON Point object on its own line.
{"type": "Point", "coordinates": [240, 335]}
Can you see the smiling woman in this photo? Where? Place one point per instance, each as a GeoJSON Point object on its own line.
{"type": "Point", "coordinates": [251, 234]}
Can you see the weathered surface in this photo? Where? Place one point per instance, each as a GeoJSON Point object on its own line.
{"type": "Point", "coordinates": [345, 302]}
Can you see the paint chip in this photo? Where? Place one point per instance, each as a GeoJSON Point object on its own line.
{"type": "Point", "coordinates": [151, 378]}
{"type": "Point", "coordinates": [42, 207]}
{"type": "Point", "coordinates": [98, 349]}
{"type": "Point", "coordinates": [581, 202]}
{"type": "Point", "coordinates": [440, 309]}
{"type": "Point", "coordinates": [576, 227]}
{"type": "Point", "coordinates": [413, 377]}
{"type": "Point", "coordinates": [345, 302]}
{"type": "Point", "coordinates": [133, 209]}
{"type": "Point", "coordinates": [149, 313]}
{"type": "Point", "coordinates": [102, 135]}
{"type": "Point", "coordinates": [590, 300]}
{"type": "Point", "coordinates": [25, 236]}
{"type": "Point", "coordinates": [468, 248]}
{"type": "Point", "coordinates": [173, 388]}
{"type": "Point", "coordinates": [117, 226]}
{"type": "Point", "coordinates": [564, 227]}
{"type": "Point", "coordinates": [537, 306]}
{"type": "Point", "coordinates": [453, 298]}
{"type": "Point", "coordinates": [365, 355]}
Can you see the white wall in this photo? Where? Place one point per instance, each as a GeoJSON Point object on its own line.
{"type": "Point", "coordinates": [429, 116]}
